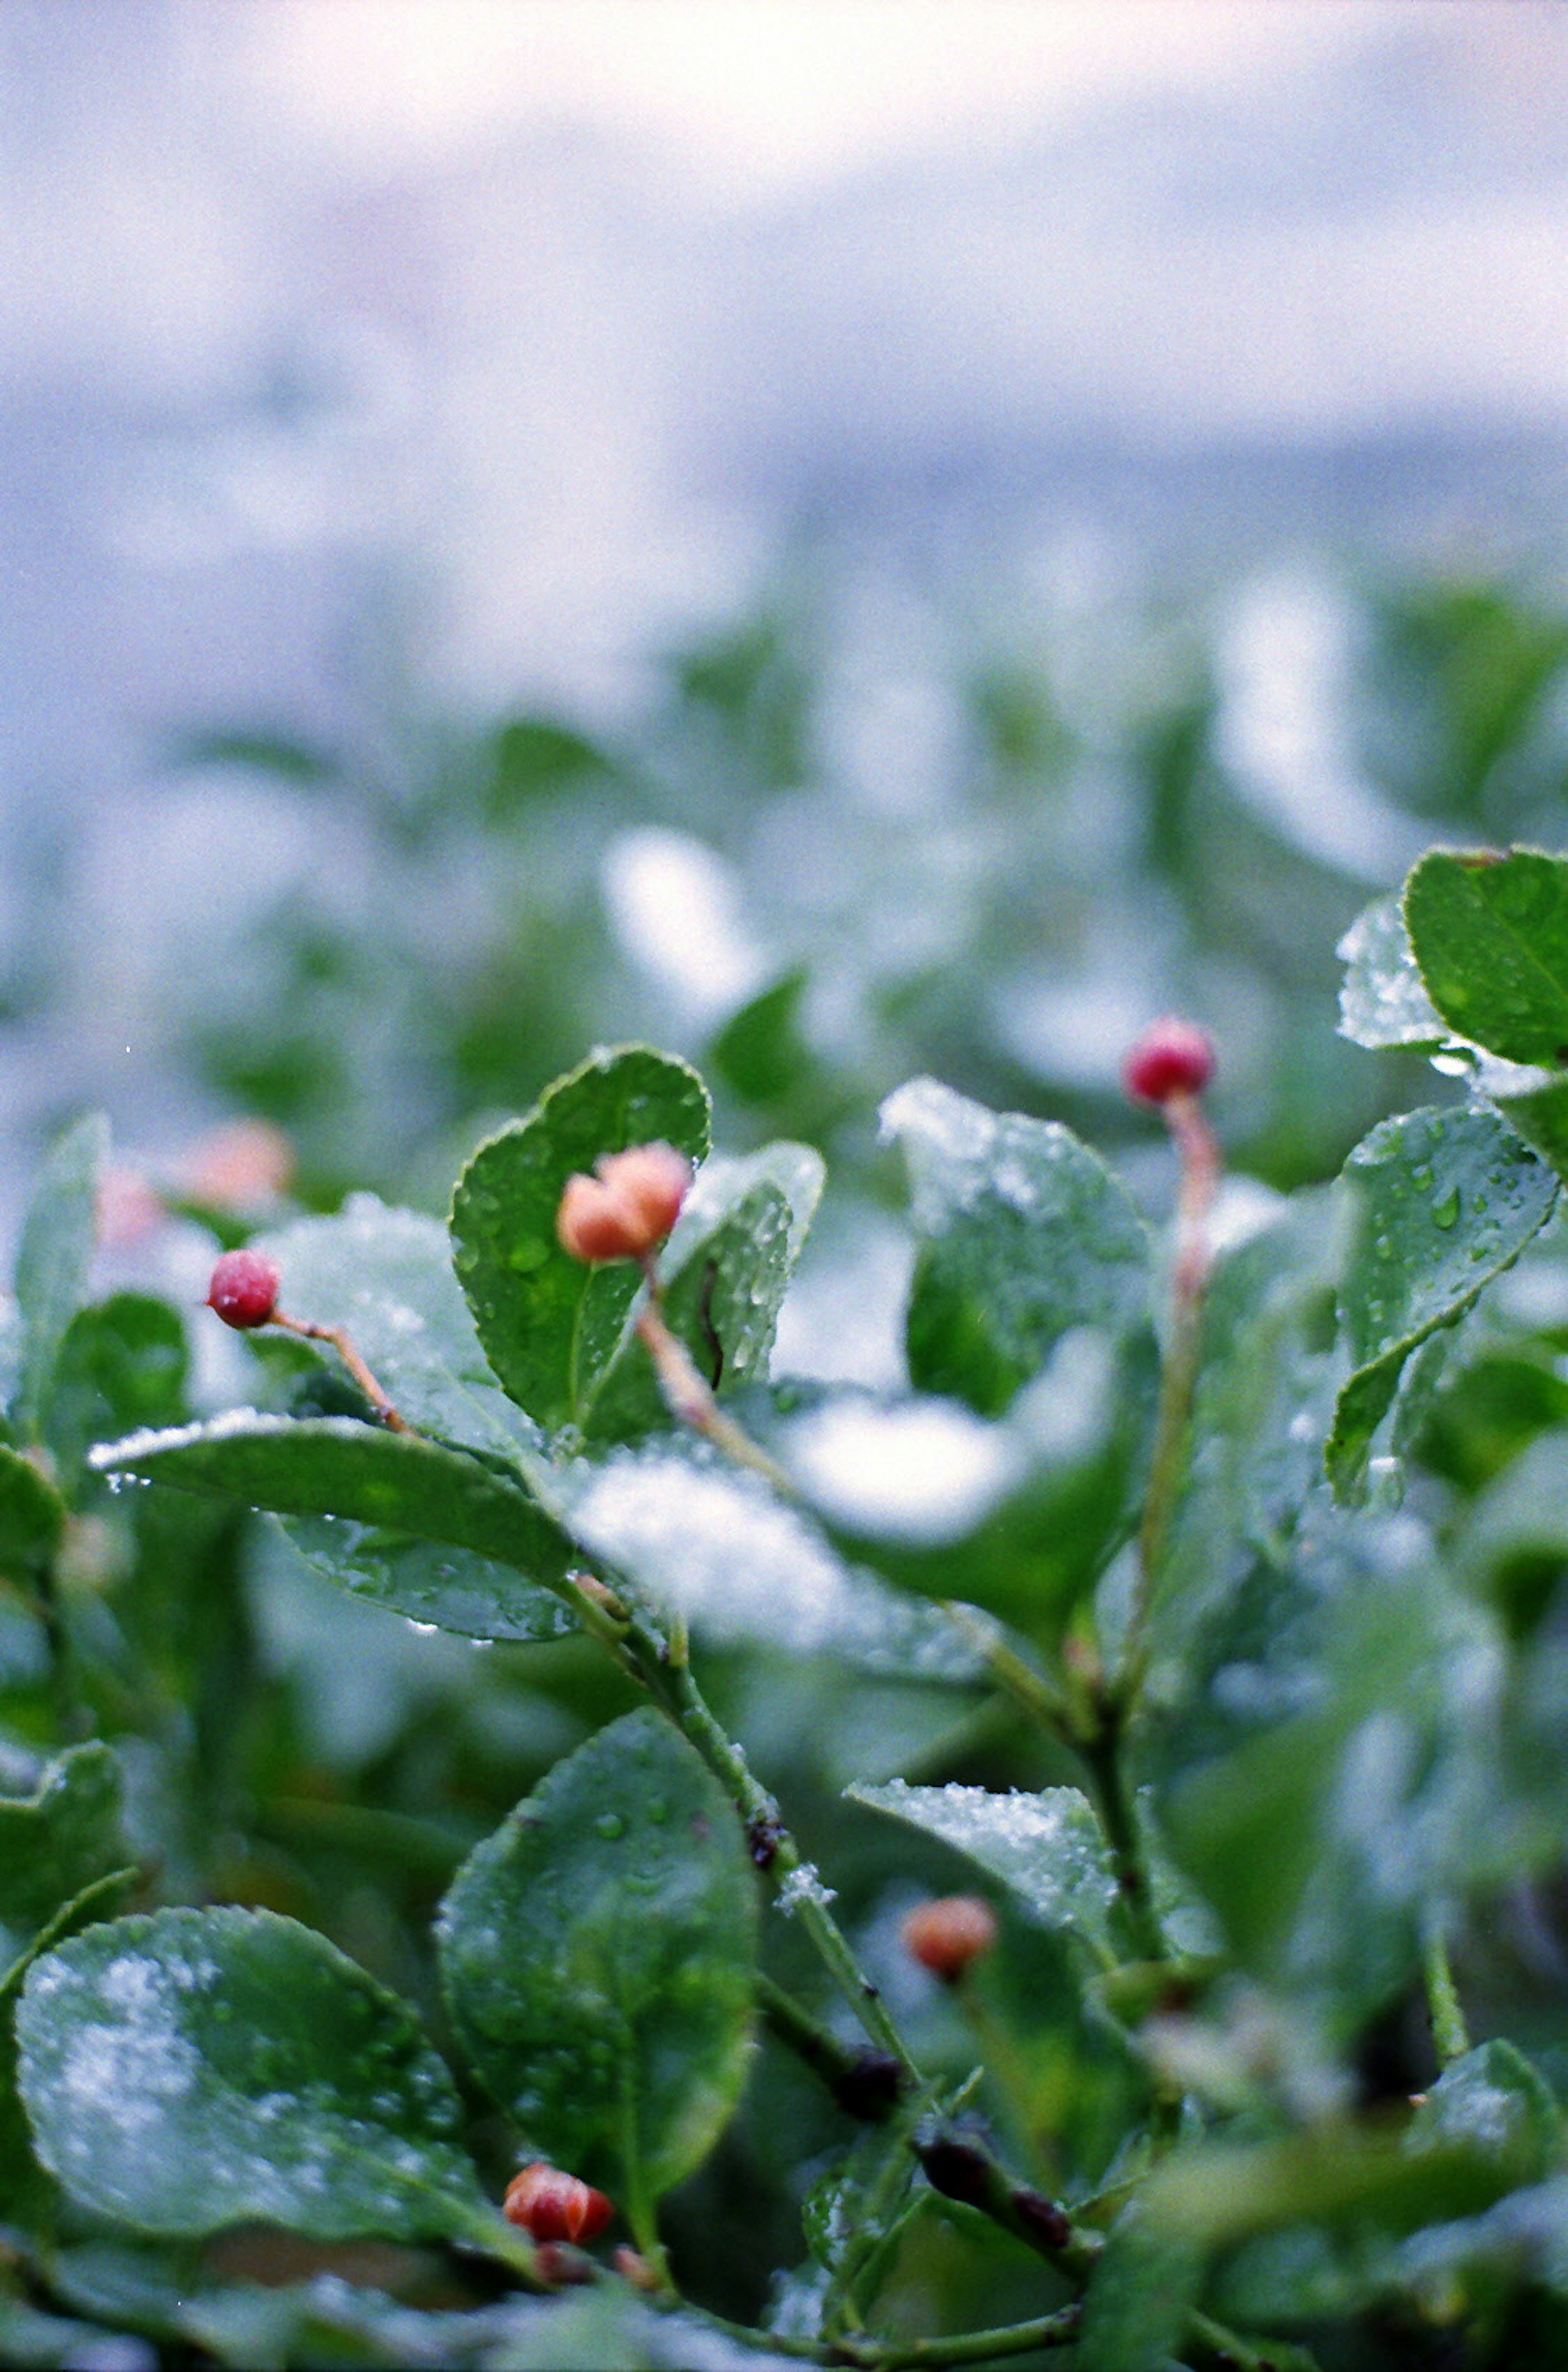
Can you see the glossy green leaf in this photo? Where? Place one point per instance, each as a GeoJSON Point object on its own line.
{"type": "Point", "coordinates": [1437, 1205]}
{"type": "Point", "coordinates": [386, 1275]}
{"type": "Point", "coordinates": [430, 1581]}
{"type": "Point", "coordinates": [32, 1516]}
{"type": "Point", "coordinates": [336, 1466]}
{"type": "Point", "coordinates": [726, 1268]}
{"type": "Point", "coordinates": [550, 1324]}
{"type": "Point", "coordinates": [52, 1260]}
{"type": "Point", "coordinates": [700, 1536]}
{"type": "Point", "coordinates": [194, 2069]}
{"type": "Point", "coordinates": [597, 1957]}
{"type": "Point", "coordinates": [1024, 1235]}
{"type": "Point", "coordinates": [1333, 2171]}
{"type": "Point", "coordinates": [1490, 934]}
{"type": "Point", "coordinates": [1383, 999]}
{"type": "Point", "coordinates": [56, 1840]}
{"type": "Point", "coordinates": [1048, 1848]}
{"type": "Point", "coordinates": [760, 1051]}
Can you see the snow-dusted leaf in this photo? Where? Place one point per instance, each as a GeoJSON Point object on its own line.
{"type": "Point", "coordinates": [710, 1541]}
{"type": "Point", "coordinates": [1049, 1848]}
{"type": "Point", "coordinates": [1383, 999]}
{"type": "Point", "coordinates": [189, 2070]}
{"type": "Point", "coordinates": [336, 1466]}
{"type": "Point", "coordinates": [387, 1275]}
{"type": "Point", "coordinates": [1025, 1235]}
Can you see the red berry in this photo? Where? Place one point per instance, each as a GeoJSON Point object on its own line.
{"type": "Point", "coordinates": [945, 1934]}
{"type": "Point", "coordinates": [551, 2206]}
{"type": "Point", "coordinates": [244, 1290]}
{"type": "Point", "coordinates": [1172, 1058]}
{"type": "Point", "coordinates": [627, 1208]}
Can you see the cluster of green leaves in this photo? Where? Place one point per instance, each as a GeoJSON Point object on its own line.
{"type": "Point", "coordinates": [979, 837]}
{"type": "Point", "coordinates": [1254, 1604]}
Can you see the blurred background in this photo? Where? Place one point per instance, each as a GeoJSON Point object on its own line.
{"type": "Point", "coordinates": [845, 536]}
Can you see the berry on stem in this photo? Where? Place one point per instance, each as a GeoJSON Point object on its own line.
{"type": "Point", "coordinates": [626, 1209]}
{"type": "Point", "coordinates": [552, 2205]}
{"type": "Point", "coordinates": [945, 1934]}
{"type": "Point", "coordinates": [244, 1290]}
{"type": "Point", "coordinates": [1173, 1057]}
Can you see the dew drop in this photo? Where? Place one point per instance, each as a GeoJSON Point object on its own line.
{"type": "Point", "coordinates": [1445, 1212]}
{"type": "Point", "coordinates": [610, 1824]}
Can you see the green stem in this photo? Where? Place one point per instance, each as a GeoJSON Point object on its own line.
{"type": "Point", "coordinates": [865, 2084]}
{"type": "Point", "coordinates": [1041, 1697]}
{"type": "Point", "coordinates": [1211, 2343]}
{"type": "Point", "coordinates": [772, 1847]}
{"type": "Point", "coordinates": [1199, 1155]}
{"type": "Point", "coordinates": [1058, 2330]}
{"type": "Point", "coordinates": [1451, 2035]}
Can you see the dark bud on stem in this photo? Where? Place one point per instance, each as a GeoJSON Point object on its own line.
{"type": "Point", "coordinates": [244, 1290]}
{"type": "Point", "coordinates": [957, 2170]}
{"type": "Point", "coordinates": [868, 2088]}
{"type": "Point", "coordinates": [1172, 1058]}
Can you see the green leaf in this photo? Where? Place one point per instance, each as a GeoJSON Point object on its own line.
{"type": "Point", "coordinates": [1513, 1544]}
{"type": "Point", "coordinates": [1439, 1203]}
{"type": "Point", "coordinates": [1048, 1848]}
{"type": "Point", "coordinates": [428, 1581]}
{"type": "Point", "coordinates": [710, 1541]}
{"type": "Point", "coordinates": [550, 1324]}
{"type": "Point", "coordinates": [1024, 1236]}
{"type": "Point", "coordinates": [57, 1841]}
{"type": "Point", "coordinates": [1143, 2286]}
{"type": "Point", "coordinates": [760, 1051]}
{"type": "Point", "coordinates": [529, 758]}
{"type": "Point", "coordinates": [1383, 999]}
{"type": "Point", "coordinates": [260, 752]}
{"type": "Point", "coordinates": [596, 1957]}
{"type": "Point", "coordinates": [726, 1266]}
{"type": "Point", "coordinates": [385, 1274]}
{"type": "Point", "coordinates": [122, 1367]}
{"type": "Point", "coordinates": [52, 1260]}
{"type": "Point", "coordinates": [1338, 1763]}
{"type": "Point", "coordinates": [1490, 934]}
{"type": "Point", "coordinates": [32, 1516]}
{"type": "Point", "coordinates": [1535, 1109]}
{"type": "Point", "coordinates": [27, 2195]}
{"type": "Point", "coordinates": [336, 1466]}
{"type": "Point", "coordinates": [1334, 2170]}
{"type": "Point", "coordinates": [1496, 2099]}
{"type": "Point", "coordinates": [194, 2069]}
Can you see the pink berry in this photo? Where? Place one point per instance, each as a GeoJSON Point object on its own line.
{"type": "Point", "coordinates": [244, 1290]}
{"type": "Point", "coordinates": [627, 1208]}
{"type": "Point", "coordinates": [1172, 1058]}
